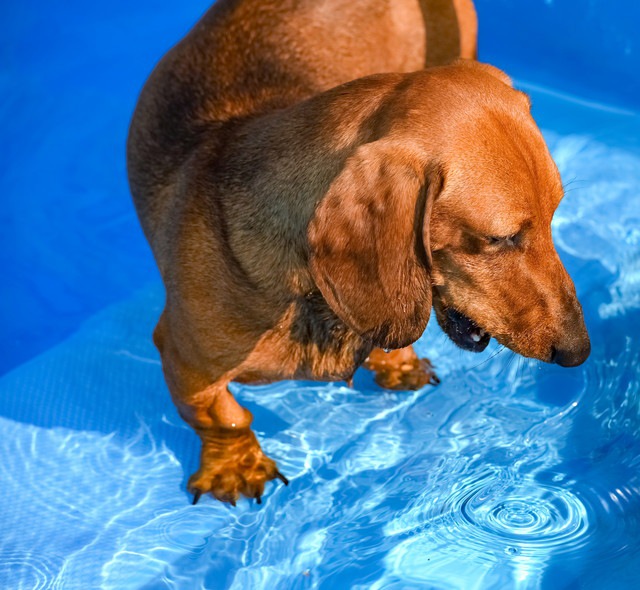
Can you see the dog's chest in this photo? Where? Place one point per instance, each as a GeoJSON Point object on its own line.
{"type": "Point", "coordinates": [325, 346]}
{"type": "Point", "coordinates": [309, 342]}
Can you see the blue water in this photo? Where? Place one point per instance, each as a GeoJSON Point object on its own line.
{"type": "Point", "coordinates": [510, 474]}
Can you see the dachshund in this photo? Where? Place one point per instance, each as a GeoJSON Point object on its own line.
{"type": "Point", "coordinates": [310, 191]}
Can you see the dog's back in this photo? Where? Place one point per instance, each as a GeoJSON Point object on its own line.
{"type": "Point", "coordinates": [247, 57]}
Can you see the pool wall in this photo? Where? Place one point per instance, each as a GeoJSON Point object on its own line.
{"type": "Point", "coordinates": [70, 77]}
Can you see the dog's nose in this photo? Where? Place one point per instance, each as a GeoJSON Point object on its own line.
{"type": "Point", "coordinates": [572, 345]}
{"type": "Point", "coordinates": [572, 353]}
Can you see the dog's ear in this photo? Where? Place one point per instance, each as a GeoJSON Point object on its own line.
{"type": "Point", "coordinates": [369, 243]}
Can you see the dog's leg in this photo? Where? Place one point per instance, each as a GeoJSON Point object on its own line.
{"type": "Point", "coordinates": [400, 369]}
{"type": "Point", "coordinates": [231, 460]}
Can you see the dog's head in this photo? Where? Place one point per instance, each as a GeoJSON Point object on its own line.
{"type": "Point", "coordinates": [452, 208]}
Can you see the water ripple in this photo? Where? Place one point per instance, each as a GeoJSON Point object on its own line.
{"type": "Point", "coordinates": [527, 516]}
{"type": "Point", "coordinates": [29, 570]}
{"type": "Point", "coordinates": [498, 510]}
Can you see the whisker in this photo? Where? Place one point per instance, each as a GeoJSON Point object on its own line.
{"type": "Point", "coordinates": [494, 355]}
{"type": "Point", "coordinates": [508, 364]}
{"type": "Point", "coordinates": [572, 189]}
{"type": "Point", "coordinates": [574, 180]}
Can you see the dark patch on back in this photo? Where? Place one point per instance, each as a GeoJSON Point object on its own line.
{"type": "Point", "coordinates": [443, 31]}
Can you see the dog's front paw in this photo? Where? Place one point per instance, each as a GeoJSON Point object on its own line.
{"type": "Point", "coordinates": [412, 375]}
{"type": "Point", "coordinates": [401, 369]}
{"type": "Point", "coordinates": [233, 465]}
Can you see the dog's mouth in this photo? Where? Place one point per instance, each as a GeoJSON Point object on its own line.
{"type": "Point", "coordinates": [465, 332]}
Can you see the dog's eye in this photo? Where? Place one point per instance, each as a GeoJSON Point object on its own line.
{"type": "Point", "coordinates": [507, 241]}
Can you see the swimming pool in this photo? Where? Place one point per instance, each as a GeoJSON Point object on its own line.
{"type": "Point", "coordinates": [510, 474]}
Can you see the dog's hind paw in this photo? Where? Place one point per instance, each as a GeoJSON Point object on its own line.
{"type": "Point", "coordinates": [231, 466]}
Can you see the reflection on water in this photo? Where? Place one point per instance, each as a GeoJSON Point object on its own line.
{"type": "Point", "coordinates": [511, 474]}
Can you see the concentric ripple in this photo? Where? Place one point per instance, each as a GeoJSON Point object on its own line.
{"type": "Point", "coordinates": [497, 513]}
{"type": "Point", "coordinates": [29, 570]}
{"type": "Point", "coordinates": [527, 515]}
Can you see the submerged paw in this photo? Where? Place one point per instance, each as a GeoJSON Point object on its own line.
{"type": "Point", "coordinates": [233, 470]}
{"type": "Point", "coordinates": [401, 371]}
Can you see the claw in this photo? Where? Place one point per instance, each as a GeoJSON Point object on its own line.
{"type": "Point", "coordinates": [233, 503]}
{"type": "Point", "coordinates": [282, 478]}
{"type": "Point", "coordinates": [258, 499]}
{"type": "Point", "coordinates": [196, 497]}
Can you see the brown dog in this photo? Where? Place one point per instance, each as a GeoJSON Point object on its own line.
{"type": "Point", "coordinates": [299, 224]}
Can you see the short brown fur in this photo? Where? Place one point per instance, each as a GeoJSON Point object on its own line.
{"type": "Point", "coordinates": [298, 223]}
